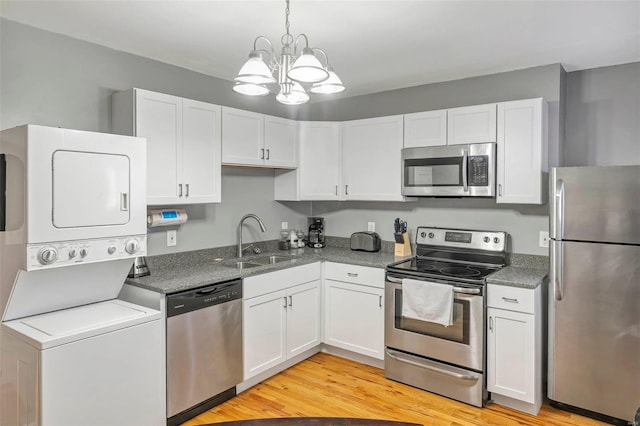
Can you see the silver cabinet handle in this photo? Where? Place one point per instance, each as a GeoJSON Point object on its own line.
{"type": "Point", "coordinates": [465, 179]}
{"type": "Point", "coordinates": [262, 154]}
{"type": "Point", "coordinates": [352, 274]}
{"type": "Point", "coordinates": [187, 186]}
{"type": "Point", "coordinates": [268, 155]}
{"type": "Point", "coordinates": [510, 300]}
{"type": "Point", "coordinates": [346, 190]}
{"type": "Point", "coordinates": [124, 201]}
{"type": "Point", "coordinates": [336, 189]}
{"type": "Point", "coordinates": [179, 190]}
{"type": "Point", "coordinates": [285, 302]}
{"type": "Point", "coordinates": [290, 300]}
{"type": "Point", "coordinates": [490, 323]}
{"type": "Point", "coordinates": [500, 190]}
{"type": "Point", "coordinates": [380, 301]}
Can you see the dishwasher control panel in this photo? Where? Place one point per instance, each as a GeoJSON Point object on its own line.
{"type": "Point", "coordinates": [203, 297]}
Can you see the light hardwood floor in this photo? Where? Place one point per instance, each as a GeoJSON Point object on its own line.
{"type": "Point", "coordinates": [326, 385]}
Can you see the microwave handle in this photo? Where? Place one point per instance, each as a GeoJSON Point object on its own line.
{"type": "Point", "coordinates": [465, 183]}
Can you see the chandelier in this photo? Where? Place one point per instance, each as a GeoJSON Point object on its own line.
{"type": "Point", "coordinates": [294, 70]}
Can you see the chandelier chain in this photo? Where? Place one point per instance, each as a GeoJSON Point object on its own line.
{"type": "Point", "coordinates": [286, 22]}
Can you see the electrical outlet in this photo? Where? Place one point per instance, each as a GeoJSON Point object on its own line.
{"type": "Point", "coordinates": [172, 238]}
{"type": "Point", "coordinates": [285, 225]}
{"type": "Point", "coordinates": [371, 226]}
{"type": "Point", "coordinates": [543, 239]}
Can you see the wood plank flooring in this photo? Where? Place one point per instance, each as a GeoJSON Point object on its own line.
{"type": "Point", "coordinates": [327, 385]}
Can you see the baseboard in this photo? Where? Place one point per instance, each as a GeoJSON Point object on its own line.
{"type": "Point", "coordinates": [525, 407]}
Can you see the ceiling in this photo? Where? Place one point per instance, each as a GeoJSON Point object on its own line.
{"type": "Point", "coordinates": [372, 45]}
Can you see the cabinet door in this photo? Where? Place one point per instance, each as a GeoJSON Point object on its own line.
{"type": "Point", "coordinates": [159, 119]}
{"type": "Point", "coordinates": [371, 151]}
{"type": "Point", "coordinates": [242, 137]}
{"type": "Point", "coordinates": [303, 318]}
{"type": "Point", "coordinates": [264, 332]}
{"type": "Point", "coordinates": [280, 142]}
{"type": "Point", "coordinates": [319, 171]}
{"type": "Point", "coordinates": [425, 129]}
{"type": "Point", "coordinates": [522, 151]}
{"type": "Point", "coordinates": [200, 166]}
{"type": "Point", "coordinates": [511, 354]}
{"type": "Point", "coordinates": [354, 318]}
{"type": "Point", "coordinates": [473, 124]}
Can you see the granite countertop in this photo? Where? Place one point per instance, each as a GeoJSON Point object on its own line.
{"type": "Point", "coordinates": [518, 276]}
{"type": "Point", "coordinates": [171, 273]}
{"type": "Point", "coordinates": [184, 271]}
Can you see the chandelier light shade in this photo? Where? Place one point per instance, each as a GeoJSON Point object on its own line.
{"type": "Point", "coordinates": [298, 72]}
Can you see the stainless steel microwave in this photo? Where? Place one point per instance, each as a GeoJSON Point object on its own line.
{"type": "Point", "coordinates": [450, 171]}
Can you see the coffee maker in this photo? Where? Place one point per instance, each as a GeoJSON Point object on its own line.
{"type": "Point", "coordinates": [316, 232]}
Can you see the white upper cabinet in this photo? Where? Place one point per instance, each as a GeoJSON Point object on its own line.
{"type": "Point", "coordinates": [371, 165]}
{"type": "Point", "coordinates": [472, 124]}
{"type": "Point", "coordinates": [253, 139]}
{"type": "Point", "coordinates": [319, 161]}
{"type": "Point", "coordinates": [425, 129]}
{"type": "Point", "coordinates": [183, 144]}
{"type": "Point", "coordinates": [522, 151]}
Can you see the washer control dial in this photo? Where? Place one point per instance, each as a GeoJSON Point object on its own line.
{"type": "Point", "coordinates": [132, 246]}
{"type": "Point", "coordinates": [496, 240]}
{"type": "Point", "coordinates": [47, 255]}
{"type": "Point", "coordinates": [423, 234]}
{"type": "Point", "coordinates": [83, 252]}
{"type": "Point", "coordinates": [72, 253]}
{"type": "Point", "coordinates": [431, 235]}
{"type": "Point", "coordinates": [111, 249]}
{"type": "Point", "coordinates": [486, 239]}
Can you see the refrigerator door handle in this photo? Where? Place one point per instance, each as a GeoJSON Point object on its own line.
{"type": "Point", "coordinates": [558, 207]}
{"type": "Point", "coordinates": [557, 269]}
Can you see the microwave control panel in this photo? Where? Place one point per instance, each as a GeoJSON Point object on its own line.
{"type": "Point", "coordinates": [478, 170]}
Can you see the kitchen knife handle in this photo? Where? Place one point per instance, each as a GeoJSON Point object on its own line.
{"type": "Point", "coordinates": [465, 183]}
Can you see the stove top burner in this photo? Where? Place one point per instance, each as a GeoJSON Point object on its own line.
{"type": "Point", "coordinates": [460, 271]}
{"type": "Point", "coordinates": [426, 267]}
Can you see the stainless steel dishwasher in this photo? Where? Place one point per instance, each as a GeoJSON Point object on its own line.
{"type": "Point", "coordinates": [204, 349]}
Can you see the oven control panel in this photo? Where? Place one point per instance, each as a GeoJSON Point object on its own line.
{"type": "Point", "coordinates": [479, 240]}
{"type": "Point", "coordinates": [62, 253]}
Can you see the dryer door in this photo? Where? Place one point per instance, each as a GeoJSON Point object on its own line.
{"type": "Point", "coordinates": [90, 189]}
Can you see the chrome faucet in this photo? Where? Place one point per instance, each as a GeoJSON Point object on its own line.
{"type": "Point", "coordinates": [245, 217]}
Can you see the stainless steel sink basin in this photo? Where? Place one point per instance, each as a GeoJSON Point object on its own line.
{"type": "Point", "coordinates": [243, 265]}
{"type": "Point", "coordinates": [270, 260]}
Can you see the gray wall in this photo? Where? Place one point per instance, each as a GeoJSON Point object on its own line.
{"type": "Point", "coordinates": [603, 116]}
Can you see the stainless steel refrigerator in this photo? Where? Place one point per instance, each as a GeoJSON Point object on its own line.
{"type": "Point", "coordinates": [594, 294]}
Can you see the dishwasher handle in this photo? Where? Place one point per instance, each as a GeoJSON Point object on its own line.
{"type": "Point", "coordinates": [203, 297]}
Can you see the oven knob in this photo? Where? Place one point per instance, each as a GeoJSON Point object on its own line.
{"type": "Point", "coordinates": [431, 235]}
{"type": "Point", "coordinates": [496, 240]}
{"type": "Point", "coordinates": [111, 249]}
{"type": "Point", "coordinates": [72, 253]}
{"type": "Point", "coordinates": [47, 255]}
{"type": "Point", "coordinates": [83, 252]}
{"type": "Point", "coordinates": [423, 234]}
{"type": "Point", "coordinates": [486, 239]}
{"type": "Point", "coordinates": [132, 246]}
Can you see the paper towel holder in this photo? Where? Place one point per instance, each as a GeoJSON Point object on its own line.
{"type": "Point", "coordinates": [166, 217]}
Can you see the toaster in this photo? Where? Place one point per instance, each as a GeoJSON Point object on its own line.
{"type": "Point", "coordinates": [365, 241]}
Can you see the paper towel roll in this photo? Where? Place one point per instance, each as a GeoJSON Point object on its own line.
{"type": "Point", "coordinates": [166, 217]}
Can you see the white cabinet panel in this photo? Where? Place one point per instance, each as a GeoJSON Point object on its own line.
{"type": "Point", "coordinates": [522, 151]}
{"type": "Point", "coordinates": [425, 129]}
{"type": "Point", "coordinates": [303, 318]}
{"type": "Point", "coordinates": [319, 170]}
{"type": "Point", "coordinates": [280, 142]}
{"type": "Point", "coordinates": [472, 124]}
{"type": "Point", "coordinates": [510, 354]}
{"type": "Point", "coordinates": [264, 332]}
{"type": "Point", "coordinates": [242, 137]}
{"type": "Point", "coordinates": [371, 151]}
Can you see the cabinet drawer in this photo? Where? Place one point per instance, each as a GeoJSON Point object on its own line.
{"type": "Point", "coordinates": [354, 274]}
{"type": "Point", "coordinates": [511, 298]}
{"type": "Point", "coordinates": [269, 282]}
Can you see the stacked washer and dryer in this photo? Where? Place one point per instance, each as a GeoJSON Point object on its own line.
{"type": "Point", "coordinates": [72, 219]}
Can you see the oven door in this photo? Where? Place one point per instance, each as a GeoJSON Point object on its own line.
{"type": "Point", "coordinates": [461, 344]}
{"type": "Point", "coordinates": [449, 171]}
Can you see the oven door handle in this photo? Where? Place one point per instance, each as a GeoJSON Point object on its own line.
{"type": "Point", "coordinates": [461, 290]}
{"type": "Point", "coordinates": [397, 356]}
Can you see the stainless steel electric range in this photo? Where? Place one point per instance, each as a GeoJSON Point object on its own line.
{"type": "Point", "coordinates": [447, 360]}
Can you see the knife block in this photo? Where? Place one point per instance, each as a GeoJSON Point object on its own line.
{"type": "Point", "coordinates": [403, 248]}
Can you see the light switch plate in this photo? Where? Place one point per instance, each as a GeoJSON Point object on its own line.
{"type": "Point", "coordinates": [172, 238]}
{"type": "Point", "coordinates": [543, 239]}
{"type": "Point", "coordinates": [371, 226]}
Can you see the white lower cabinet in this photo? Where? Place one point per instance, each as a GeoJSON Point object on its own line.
{"type": "Point", "coordinates": [354, 308]}
{"type": "Point", "coordinates": [514, 347]}
{"type": "Point", "coordinates": [281, 316]}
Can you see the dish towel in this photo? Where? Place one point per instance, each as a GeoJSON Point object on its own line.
{"type": "Point", "coordinates": [427, 301]}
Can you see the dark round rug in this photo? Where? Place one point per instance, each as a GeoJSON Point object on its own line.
{"type": "Point", "coordinates": [313, 421]}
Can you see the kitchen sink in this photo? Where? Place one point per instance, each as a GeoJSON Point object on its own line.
{"type": "Point", "coordinates": [270, 260]}
{"type": "Point", "coordinates": [243, 265]}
